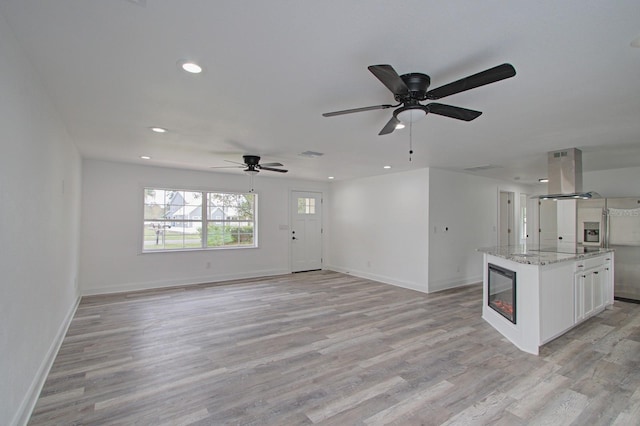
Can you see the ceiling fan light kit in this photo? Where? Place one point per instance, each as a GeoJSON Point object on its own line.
{"type": "Point", "coordinates": [410, 114]}
{"type": "Point", "coordinates": [410, 89]}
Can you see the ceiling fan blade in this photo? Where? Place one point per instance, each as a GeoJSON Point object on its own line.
{"type": "Point", "coordinates": [349, 111]}
{"type": "Point", "coordinates": [272, 170]}
{"type": "Point", "coordinates": [234, 162]}
{"type": "Point", "coordinates": [227, 167]}
{"type": "Point", "coordinates": [271, 165]}
{"type": "Point", "coordinates": [390, 126]}
{"type": "Point", "coordinates": [480, 79]}
{"type": "Point", "coordinates": [453, 111]}
{"type": "Point", "coordinates": [390, 78]}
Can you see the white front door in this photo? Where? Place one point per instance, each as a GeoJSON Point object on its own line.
{"type": "Point", "coordinates": [306, 231]}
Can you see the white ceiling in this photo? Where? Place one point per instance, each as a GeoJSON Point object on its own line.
{"type": "Point", "coordinates": [273, 67]}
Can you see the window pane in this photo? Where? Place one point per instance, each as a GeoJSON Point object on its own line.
{"type": "Point", "coordinates": [173, 236]}
{"type": "Point", "coordinates": [154, 235]}
{"type": "Point", "coordinates": [306, 206]}
{"type": "Point", "coordinates": [218, 234]}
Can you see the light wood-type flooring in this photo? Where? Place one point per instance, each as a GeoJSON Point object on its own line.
{"type": "Point", "coordinates": [332, 349]}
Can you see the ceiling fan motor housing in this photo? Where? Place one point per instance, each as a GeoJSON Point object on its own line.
{"type": "Point", "coordinates": [417, 83]}
{"type": "Point", "coordinates": [251, 160]}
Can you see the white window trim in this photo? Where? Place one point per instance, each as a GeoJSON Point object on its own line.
{"type": "Point", "coordinates": [203, 221]}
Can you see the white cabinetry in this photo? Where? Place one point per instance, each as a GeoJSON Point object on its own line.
{"type": "Point", "coordinates": [607, 279]}
{"type": "Point", "coordinates": [578, 296]}
{"type": "Point", "coordinates": [590, 287]}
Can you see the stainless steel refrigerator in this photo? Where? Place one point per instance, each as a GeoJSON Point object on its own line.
{"type": "Point", "coordinates": [622, 233]}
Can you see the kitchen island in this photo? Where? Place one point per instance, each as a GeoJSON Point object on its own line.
{"type": "Point", "coordinates": [531, 296]}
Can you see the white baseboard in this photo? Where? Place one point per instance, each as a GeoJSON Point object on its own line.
{"type": "Point", "coordinates": [149, 285]}
{"type": "Point", "coordinates": [440, 285]}
{"type": "Point", "coordinates": [421, 287]}
{"type": "Point", "coordinates": [430, 287]}
{"type": "Point", "coordinates": [29, 402]}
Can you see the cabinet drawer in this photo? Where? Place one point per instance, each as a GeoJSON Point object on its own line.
{"type": "Point", "coordinates": [592, 262]}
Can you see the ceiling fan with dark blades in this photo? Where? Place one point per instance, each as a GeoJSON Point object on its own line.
{"type": "Point", "coordinates": [252, 164]}
{"type": "Point", "coordinates": [410, 89]}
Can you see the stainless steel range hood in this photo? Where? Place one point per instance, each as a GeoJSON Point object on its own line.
{"type": "Point", "coordinates": [565, 176]}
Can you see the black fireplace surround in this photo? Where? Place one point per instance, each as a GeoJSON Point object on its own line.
{"type": "Point", "coordinates": [502, 291]}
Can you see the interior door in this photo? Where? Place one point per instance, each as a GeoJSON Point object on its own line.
{"type": "Point", "coordinates": [306, 231]}
{"type": "Point", "coordinates": [548, 223]}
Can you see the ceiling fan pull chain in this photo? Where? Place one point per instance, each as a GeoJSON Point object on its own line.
{"type": "Point", "coordinates": [410, 140]}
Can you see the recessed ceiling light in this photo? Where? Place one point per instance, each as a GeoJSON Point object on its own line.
{"type": "Point", "coordinates": [543, 180]}
{"type": "Point", "coordinates": [330, 177]}
{"type": "Point", "coordinates": [190, 66]}
{"type": "Point", "coordinates": [158, 129]}
{"type": "Point", "coordinates": [386, 167]}
{"type": "Point", "coordinates": [635, 42]}
{"type": "Point", "coordinates": [145, 157]}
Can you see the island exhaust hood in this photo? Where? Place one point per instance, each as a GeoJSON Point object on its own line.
{"type": "Point", "coordinates": [565, 176]}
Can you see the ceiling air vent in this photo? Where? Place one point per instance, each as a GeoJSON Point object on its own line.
{"type": "Point", "coordinates": [311, 154]}
{"type": "Point", "coordinates": [142, 3]}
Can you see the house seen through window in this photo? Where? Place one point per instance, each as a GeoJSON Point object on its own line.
{"type": "Point", "coordinates": [182, 219]}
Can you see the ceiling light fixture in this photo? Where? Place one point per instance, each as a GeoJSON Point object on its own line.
{"type": "Point", "coordinates": [158, 129]}
{"type": "Point", "coordinates": [411, 115]}
{"type": "Point", "coordinates": [543, 180]}
{"type": "Point", "coordinates": [399, 126]}
{"type": "Point", "coordinates": [331, 178]}
{"type": "Point", "coordinates": [145, 157]}
{"type": "Point", "coordinates": [191, 67]}
{"type": "Point", "coordinates": [386, 167]}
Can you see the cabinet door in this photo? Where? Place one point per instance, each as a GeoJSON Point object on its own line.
{"type": "Point", "coordinates": [578, 300]}
{"type": "Point", "coordinates": [607, 281]}
{"type": "Point", "coordinates": [587, 292]}
{"type": "Point", "coordinates": [597, 278]}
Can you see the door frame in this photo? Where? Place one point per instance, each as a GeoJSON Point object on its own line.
{"type": "Point", "coordinates": [510, 217]}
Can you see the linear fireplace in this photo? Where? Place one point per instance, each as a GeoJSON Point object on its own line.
{"type": "Point", "coordinates": [502, 291]}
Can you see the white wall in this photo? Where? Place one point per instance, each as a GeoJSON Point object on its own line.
{"type": "Point", "coordinates": [468, 206]}
{"type": "Point", "coordinates": [613, 183]}
{"type": "Point", "coordinates": [111, 230]}
{"type": "Point", "coordinates": [379, 228]}
{"type": "Point", "coordinates": [39, 228]}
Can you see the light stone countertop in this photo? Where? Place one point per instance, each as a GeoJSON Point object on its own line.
{"type": "Point", "coordinates": [544, 255]}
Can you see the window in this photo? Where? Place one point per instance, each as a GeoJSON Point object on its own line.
{"type": "Point", "coordinates": [306, 206]}
{"type": "Point", "coordinates": [182, 220]}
